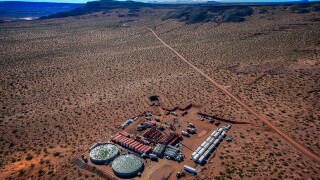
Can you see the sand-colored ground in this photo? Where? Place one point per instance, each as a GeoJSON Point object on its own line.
{"type": "Point", "coordinates": [65, 84]}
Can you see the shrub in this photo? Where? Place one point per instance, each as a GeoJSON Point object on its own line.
{"type": "Point", "coordinates": [21, 172]}
{"type": "Point", "coordinates": [29, 157]}
{"type": "Point", "coordinates": [41, 172]}
{"type": "Point", "coordinates": [56, 154]}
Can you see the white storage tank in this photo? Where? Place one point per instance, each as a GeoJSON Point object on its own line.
{"type": "Point", "coordinates": [207, 154]}
{"type": "Point", "coordinates": [216, 135]}
{"type": "Point", "coordinates": [223, 134]}
{"type": "Point", "coordinates": [198, 149]}
{"type": "Point", "coordinates": [207, 146]}
{"type": "Point", "coordinates": [212, 147]}
{"type": "Point", "coordinates": [213, 133]}
{"type": "Point", "coordinates": [202, 151]}
{"type": "Point", "coordinates": [125, 166]}
{"type": "Point", "coordinates": [196, 157]}
{"type": "Point", "coordinates": [201, 160]}
{"type": "Point", "coordinates": [216, 143]}
{"type": "Point", "coordinates": [211, 141]}
{"type": "Point", "coordinates": [193, 154]}
{"type": "Point", "coordinates": [208, 139]}
{"type": "Point", "coordinates": [203, 144]}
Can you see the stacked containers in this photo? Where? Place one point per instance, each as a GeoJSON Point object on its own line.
{"type": "Point", "coordinates": [131, 144]}
{"type": "Point", "coordinates": [138, 147]}
{"type": "Point", "coordinates": [125, 134]}
{"type": "Point", "coordinates": [148, 149]}
{"type": "Point", "coordinates": [173, 141]}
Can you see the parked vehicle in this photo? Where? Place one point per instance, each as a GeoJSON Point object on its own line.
{"type": "Point", "coordinates": [178, 175]}
{"type": "Point", "coordinates": [141, 127]}
{"type": "Point", "coordinates": [153, 156]}
{"type": "Point", "coordinates": [185, 133]}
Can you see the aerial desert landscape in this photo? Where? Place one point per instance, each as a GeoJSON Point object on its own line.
{"type": "Point", "coordinates": [68, 83]}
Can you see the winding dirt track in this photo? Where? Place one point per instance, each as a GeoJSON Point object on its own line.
{"type": "Point", "coordinates": [285, 136]}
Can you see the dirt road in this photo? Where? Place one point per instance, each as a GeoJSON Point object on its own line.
{"type": "Point", "coordinates": [288, 138]}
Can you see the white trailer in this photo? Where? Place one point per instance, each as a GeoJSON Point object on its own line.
{"type": "Point", "coordinates": [190, 169]}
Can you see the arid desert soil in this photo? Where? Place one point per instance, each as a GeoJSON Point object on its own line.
{"type": "Point", "coordinates": [65, 83]}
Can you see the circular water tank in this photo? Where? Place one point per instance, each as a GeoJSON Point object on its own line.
{"type": "Point", "coordinates": [104, 153]}
{"type": "Point", "coordinates": [128, 165]}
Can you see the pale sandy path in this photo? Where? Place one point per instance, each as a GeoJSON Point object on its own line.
{"type": "Point", "coordinates": [285, 136]}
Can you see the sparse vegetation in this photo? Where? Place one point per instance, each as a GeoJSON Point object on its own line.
{"type": "Point", "coordinates": [79, 86]}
